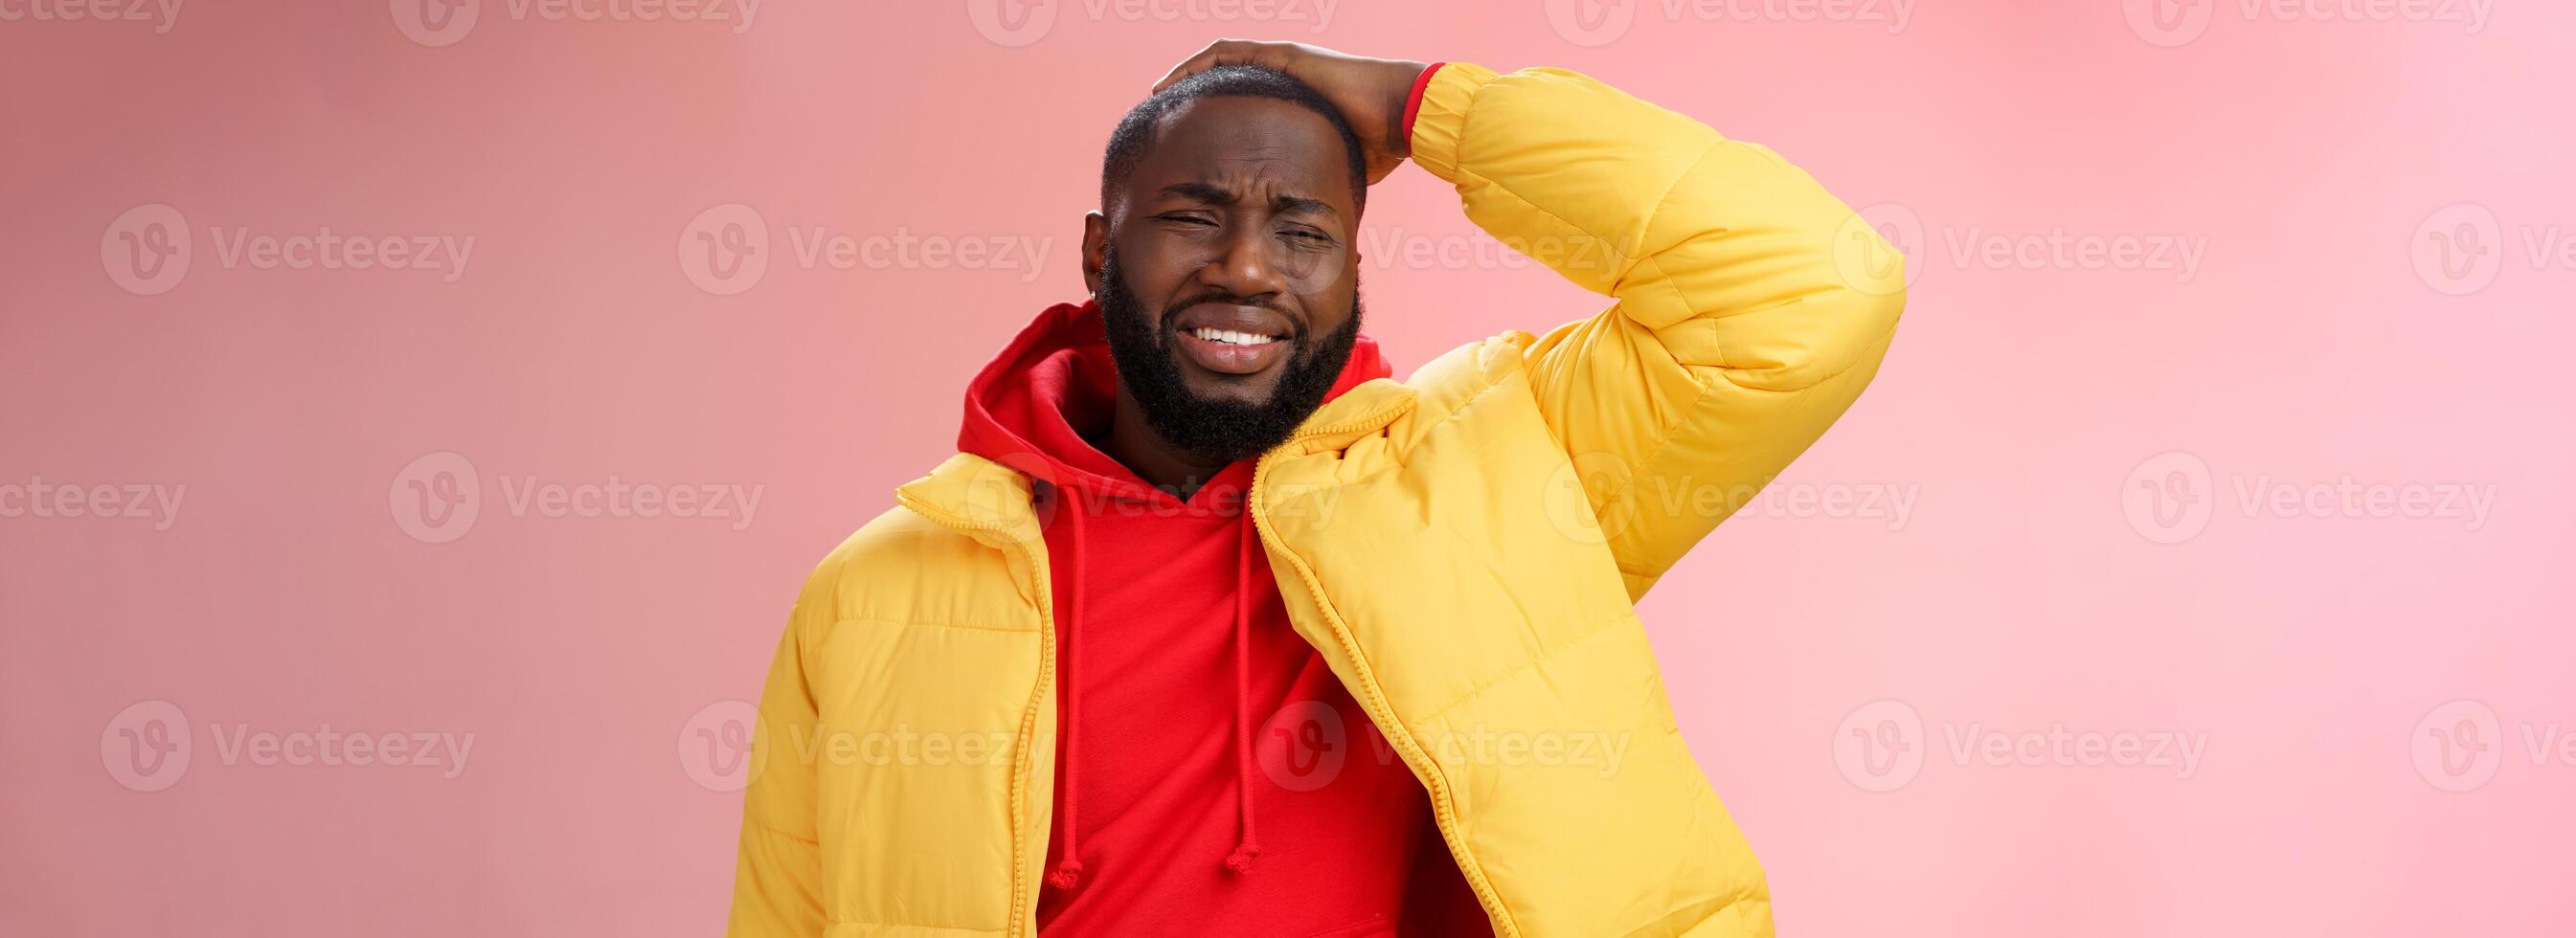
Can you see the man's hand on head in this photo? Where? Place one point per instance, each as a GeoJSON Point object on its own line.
{"type": "Point", "coordinates": [1370, 93]}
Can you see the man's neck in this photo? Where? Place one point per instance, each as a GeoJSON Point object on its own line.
{"type": "Point", "coordinates": [1134, 444]}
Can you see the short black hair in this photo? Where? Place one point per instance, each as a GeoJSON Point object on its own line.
{"type": "Point", "coordinates": [1136, 132]}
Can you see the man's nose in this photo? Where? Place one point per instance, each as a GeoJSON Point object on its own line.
{"type": "Point", "coordinates": [1243, 265]}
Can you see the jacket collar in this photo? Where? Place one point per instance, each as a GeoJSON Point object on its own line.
{"type": "Point", "coordinates": [991, 501]}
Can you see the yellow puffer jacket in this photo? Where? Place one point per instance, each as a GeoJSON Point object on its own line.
{"type": "Point", "coordinates": [1464, 548]}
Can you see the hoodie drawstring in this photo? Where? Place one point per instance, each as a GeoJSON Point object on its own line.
{"type": "Point", "coordinates": [1240, 861]}
{"type": "Point", "coordinates": [1068, 871]}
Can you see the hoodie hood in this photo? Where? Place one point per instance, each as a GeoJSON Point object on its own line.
{"type": "Point", "coordinates": [1035, 410]}
{"type": "Point", "coordinates": [1038, 405]}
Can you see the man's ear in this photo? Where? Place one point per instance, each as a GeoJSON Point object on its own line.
{"type": "Point", "coordinates": [1095, 249]}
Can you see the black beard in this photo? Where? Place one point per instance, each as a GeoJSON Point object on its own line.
{"type": "Point", "coordinates": [1219, 430]}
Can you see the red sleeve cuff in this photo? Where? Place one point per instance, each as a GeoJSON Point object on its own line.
{"type": "Point", "coordinates": [1413, 102]}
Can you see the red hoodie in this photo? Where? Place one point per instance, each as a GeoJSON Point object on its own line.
{"type": "Point", "coordinates": [1212, 776]}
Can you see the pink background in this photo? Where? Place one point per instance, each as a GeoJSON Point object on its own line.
{"type": "Point", "coordinates": [2034, 410]}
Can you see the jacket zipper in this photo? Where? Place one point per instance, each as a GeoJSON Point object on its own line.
{"type": "Point", "coordinates": [1022, 770]}
{"type": "Point", "coordinates": [1444, 812]}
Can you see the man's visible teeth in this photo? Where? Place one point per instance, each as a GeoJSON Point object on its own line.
{"type": "Point", "coordinates": [1232, 337]}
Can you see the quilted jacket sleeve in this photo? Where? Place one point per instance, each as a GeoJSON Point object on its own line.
{"type": "Point", "coordinates": [1735, 336]}
{"type": "Point", "coordinates": [778, 877]}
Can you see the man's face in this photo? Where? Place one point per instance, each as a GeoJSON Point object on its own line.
{"type": "Point", "coordinates": [1226, 273]}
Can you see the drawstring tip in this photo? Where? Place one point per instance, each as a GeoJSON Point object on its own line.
{"type": "Point", "coordinates": [1240, 861]}
{"type": "Point", "coordinates": [1067, 874]}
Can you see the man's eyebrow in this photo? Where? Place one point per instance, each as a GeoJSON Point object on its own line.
{"type": "Point", "coordinates": [1289, 204]}
{"type": "Point", "coordinates": [1200, 191]}
{"type": "Point", "coordinates": [1218, 195]}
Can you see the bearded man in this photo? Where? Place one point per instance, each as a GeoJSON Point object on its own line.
{"type": "Point", "coordinates": [1212, 628]}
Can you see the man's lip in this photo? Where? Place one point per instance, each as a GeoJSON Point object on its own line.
{"type": "Point", "coordinates": [1227, 358]}
{"type": "Point", "coordinates": [1235, 317]}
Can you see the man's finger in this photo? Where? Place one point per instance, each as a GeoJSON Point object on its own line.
{"type": "Point", "coordinates": [1186, 67]}
{"type": "Point", "coordinates": [1205, 59]}
{"type": "Point", "coordinates": [1220, 52]}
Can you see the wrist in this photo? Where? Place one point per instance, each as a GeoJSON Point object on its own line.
{"type": "Point", "coordinates": [1412, 106]}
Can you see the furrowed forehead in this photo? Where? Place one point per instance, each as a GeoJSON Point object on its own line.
{"type": "Point", "coordinates": [1230, 142]}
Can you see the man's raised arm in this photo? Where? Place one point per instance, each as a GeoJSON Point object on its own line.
{"type": "Point", "coordinates": [1735, 338]}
